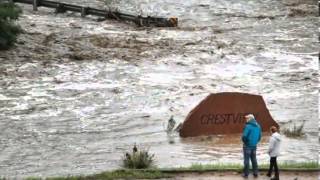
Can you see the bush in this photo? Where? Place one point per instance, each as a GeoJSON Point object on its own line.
{"type": "Point", "coordinates": [138, 159]}
{"type": "Point", "coordinates": [296, 131]}
{"type": "Point", "coordinates": [8, 29]}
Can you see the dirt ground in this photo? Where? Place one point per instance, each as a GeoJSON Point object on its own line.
{"type": "Point", "coordinates": [237, 176]}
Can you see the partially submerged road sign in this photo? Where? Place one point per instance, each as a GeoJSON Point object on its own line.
{"type": "Point", "coordinates": [223, 113]}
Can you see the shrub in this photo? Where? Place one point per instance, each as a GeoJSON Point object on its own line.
{"type": "Point", "coordinates": [138, 159]}
{"type": "Point", "coordinates": [8, 29]}
{"type": "Point", "coordinates": [296, 131]}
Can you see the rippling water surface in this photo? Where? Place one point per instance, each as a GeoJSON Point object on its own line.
{"type": "Point", "coordinates": [77, 93]}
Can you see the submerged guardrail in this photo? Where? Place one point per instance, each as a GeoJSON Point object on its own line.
{"type": "Point", "coordinates": [139, 20]}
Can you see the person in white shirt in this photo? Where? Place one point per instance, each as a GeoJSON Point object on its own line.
{"type": "Point", "coordinates": [274, 152]}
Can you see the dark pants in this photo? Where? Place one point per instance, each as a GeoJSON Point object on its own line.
{"type": "Point", "coordinates": [250, 154]}
{"type": "Point", "coordinates": [273, 164]}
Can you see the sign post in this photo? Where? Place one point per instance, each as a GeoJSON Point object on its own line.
{"type": "Point", "coordinates": [35, 5]}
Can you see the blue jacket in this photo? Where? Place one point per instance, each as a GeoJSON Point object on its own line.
{"type": "Point", "coordinates": [251, 134]}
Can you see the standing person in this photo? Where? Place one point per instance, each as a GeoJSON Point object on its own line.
{"type": "Point", "coordinates": [274, 151]}
{"type": "Point", "coordinates": [250, 137]}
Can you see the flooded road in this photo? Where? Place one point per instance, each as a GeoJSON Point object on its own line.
{"type": "Point", "coordinates": [77, 93]}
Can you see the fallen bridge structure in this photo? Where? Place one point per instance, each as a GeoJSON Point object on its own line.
{"type": "Point", "coordinates": [139, 20]}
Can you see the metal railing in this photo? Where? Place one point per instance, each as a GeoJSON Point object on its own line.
{"type": "Point", "coordinates": [139, 20]}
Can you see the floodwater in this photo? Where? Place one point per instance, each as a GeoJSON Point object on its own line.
{"type": "Point", "coordinates": [77, 93]}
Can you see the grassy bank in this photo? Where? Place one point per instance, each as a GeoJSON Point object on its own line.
{"type": "Point", "coordinates": [169, 172]}
{"type": "Point", "coordinates": [118, 174]}
{"type": "Point", "coordinates": [238, 167]}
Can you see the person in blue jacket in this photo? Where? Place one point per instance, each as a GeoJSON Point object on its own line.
{"type": "Point", "coordinates": [250, 137]}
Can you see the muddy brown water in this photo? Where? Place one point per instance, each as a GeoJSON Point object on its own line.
{"type": "Point", "coordinates": [77, 93]}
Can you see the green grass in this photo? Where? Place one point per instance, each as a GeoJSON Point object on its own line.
{"type": "Point", "coordinates": [118, 174]}
{"type": "Point", "coordinates": [208, 167]}
{"type": "Point", "coordinates": [169, 172]}
{"type": "Point", "coordinates": [313, 165]}
{"type": "Point", "coordinates": [300, 165]}
{"type": "Point", "coordinates": [137, 174]}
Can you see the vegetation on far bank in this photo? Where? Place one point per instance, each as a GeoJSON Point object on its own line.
{"type": "Point", "coordinates": [9, 31]}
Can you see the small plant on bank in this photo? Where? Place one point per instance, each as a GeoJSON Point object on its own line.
{"type": "Point", "coordinates": [8, 29]}
{"type": "Point", "coordinates": [296, 131]}
{"type": "Point", "coordinates": [138, 159]}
